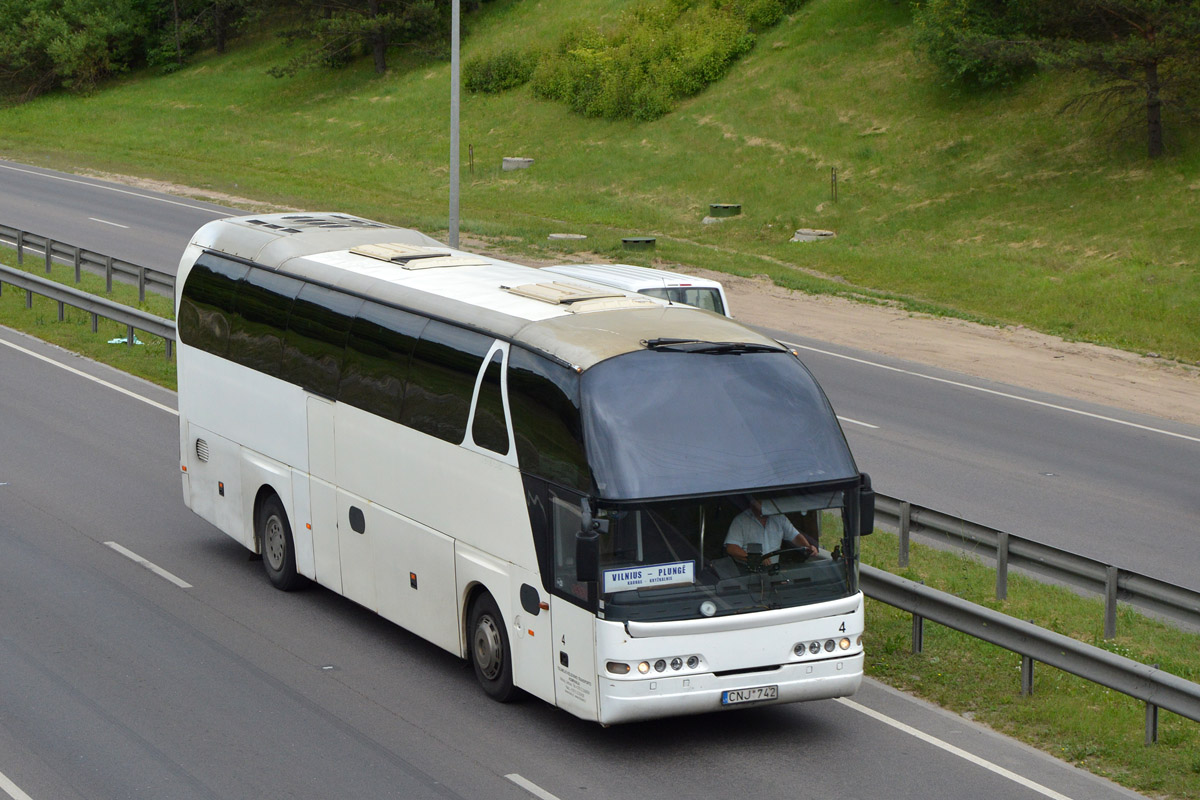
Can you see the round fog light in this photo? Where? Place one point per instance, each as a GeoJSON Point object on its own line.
{"type": "Point", "coordinates": [660, 665]}
{"type": "Point", "coordinates": [799, 649]}
{"type": "Point", "coordinates": [644, 667]}
{"type": "Point", "coordinates": [693, 662]}
{"type": "Point", "coordinates": [844, 644]}
{"type": "Point", "coordinates": [829, 645]}
{"type": "Point", "coordinates": [677, 663]}
{"type": "Point", "coordinates": [814, 648]}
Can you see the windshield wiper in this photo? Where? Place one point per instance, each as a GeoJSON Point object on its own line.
{"type": "Point", "coordinates": [697, 346]}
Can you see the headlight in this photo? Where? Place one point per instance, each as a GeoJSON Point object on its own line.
{"type": "Point", "coordinates": [644, 667]}
{"type": "Point", "coordinates": [844, 644]}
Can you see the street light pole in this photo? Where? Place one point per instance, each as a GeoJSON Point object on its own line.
{"type": "Point", "coordinates": [454, 34]}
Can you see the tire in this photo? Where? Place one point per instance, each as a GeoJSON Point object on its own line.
{"type": "Point", "coordinates": [278, 549]}
{"type": "Point", "coordinates": [490, 654]}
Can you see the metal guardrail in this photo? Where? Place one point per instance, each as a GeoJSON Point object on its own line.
{"type": "Point", "coordinates": [1158, 689]}
{"type": "Point", "coordinates": [132, 318]}
{"type": "Point", "coordinates": [1009, 550]}
{"type": "Point", "coordinates": [50, 250]}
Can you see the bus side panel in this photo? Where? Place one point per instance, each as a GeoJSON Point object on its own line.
{"type": "Point", "coordinates": [214, 483]}
{"type": "Point", "coordinates": [533, 645]}
{"type": "Point", "coordinates": [327, 565]}
{"type": "Point", "coordinates": [574, 659]}
{"type": "Point", "coordinates": [476, 498]}
{"type": "Point", "coordinates": [257, 411]}
{"type": "Point", "coordinates": [414, 576]}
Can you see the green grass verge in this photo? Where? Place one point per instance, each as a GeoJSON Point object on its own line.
{"type": "Point", "coordinates": [1081, 722]}
{"type": "Point", "coordinates": [991, 207]}
{"type": "Point", "coordinates": [74, 332]}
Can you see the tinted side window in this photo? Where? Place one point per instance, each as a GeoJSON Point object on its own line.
{"type": "Point", "coordinates": [544, 402]}
{"type": "Point", "coordinates": [488, 428]}
{"type": "Point", "coordinates": [207, 303]}
{"type": "Point", "coordinates": [377, 359]}
{"type": "Point", "coordinates": [445, 363]}
{"type": "Point", "coordinates": [264, 300]}
{"type": "Point", "coordinates": [315, 342]}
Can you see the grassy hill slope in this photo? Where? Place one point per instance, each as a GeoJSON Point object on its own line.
{"type": "Point", "coordinates": [992, 207]}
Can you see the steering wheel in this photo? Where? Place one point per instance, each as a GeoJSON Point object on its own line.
{"type": "Point", "coordinates": [800, 553]}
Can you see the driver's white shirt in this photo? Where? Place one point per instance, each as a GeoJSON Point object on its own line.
{"type": "Point", "coordinates": [745, 529]}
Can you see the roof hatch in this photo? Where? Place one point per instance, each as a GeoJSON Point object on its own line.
{"type": "Point", "coordinates": [578, 298]}
{"type": "Point", "coordinates": [410, 256]}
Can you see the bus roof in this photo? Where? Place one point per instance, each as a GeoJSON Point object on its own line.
{"type": "Point", "coordinates": [408, 269]}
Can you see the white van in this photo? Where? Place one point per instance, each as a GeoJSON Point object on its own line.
{"type": "Point", "coordinates": [673, 286]}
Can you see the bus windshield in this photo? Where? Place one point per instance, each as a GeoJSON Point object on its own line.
{"type": "Point", "coordinates": [731, 554]}
{"type": "Point", "coordinates": [700, 297]}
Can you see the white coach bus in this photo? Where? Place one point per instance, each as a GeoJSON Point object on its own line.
{"type": "Point", "coordinates": [535, 476]}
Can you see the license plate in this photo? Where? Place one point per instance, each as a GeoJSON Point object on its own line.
{"type": "Point", "coordinates": [751, 695]}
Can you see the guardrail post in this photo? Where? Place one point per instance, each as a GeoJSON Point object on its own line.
{"type": "Point", "coordinates": [141, 284]}
{"type": "Point", "coordinates": [918, 636]}
{"type": "Point", "coordinates": [28, 299]}
{"type": "Point", "coordinates": [905, 521]}
{"type": "Point", "coordinates": [1151, 722]}
{"type": "Point", "coordinates": [108, 271]}
{"type": "Point", "coordinates": [95, 323]}
{"type": "Point", "coordinates": [78, 264]}
{"type": "Point", "coordinates": [1002, 566]}
{"type": "Point", "coordinates": [1110, 601]}
{"type": "Point", "coordinates": [49, 254]}
{"type": "Point", "coordinates": [20, 248]}
{"type": "Point", "coordinates": [129, 336]}
{"type": "Point", "coordinates": [169, 344]}
{"type": "Point", "coordinates": [1026, 676]}
{"type": "Point", "coordinates": [61, 310]}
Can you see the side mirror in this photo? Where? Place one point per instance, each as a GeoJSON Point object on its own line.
{"type": "Point", "coordinates": [866, 506]}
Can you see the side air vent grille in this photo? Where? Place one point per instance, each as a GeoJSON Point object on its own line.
{"type": "Point", "coordinates": [202, 450]}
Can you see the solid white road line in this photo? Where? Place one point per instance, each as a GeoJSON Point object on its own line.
{"type": "Point", "coordinates": [65, 179]}
{"type": "Point", "coordinates": [949, 748]}
{"type": "Point", "coordinates": [155, 568]}
{"type": "Point", "coordinates": [996, 393]}
{"type": "Point", "coordinates": [106, 222]}
{"type": "Point", "coordinates": [92, 378]}
{"type": "Point", "coordinates": [11, 789]}
{"type": "Point", "coordinates": [530, 787]}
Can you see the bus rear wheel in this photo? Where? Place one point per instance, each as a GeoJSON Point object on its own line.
{"type": "Point", "coordinates": [278, 549]}
{"type": "Point", "coordinates": [490, 655]}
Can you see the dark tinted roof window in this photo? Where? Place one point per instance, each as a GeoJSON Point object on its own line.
{"type": "Point", "coordinates": [488, 428]}
{"type": "Point", "coordinates": [315, 343]}
{"type": "Point", "coordinates": [445, 363]}
{"type": "Point", "coordinates": [377, 359]}
{"type": "Point", "coordinates": [264, 300]}
{"type": "Point", "coordinates": [207, 302]}
{"type": "Point", "coordinates": [669, 424]}
{"type": "Point", "coordinates": [543, 399]}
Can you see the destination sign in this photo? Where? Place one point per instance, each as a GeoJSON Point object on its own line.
{"type": "Point", "coordinates": [649, 575]}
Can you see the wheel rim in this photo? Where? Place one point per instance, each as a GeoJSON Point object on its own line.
{"type": "Point", "coordinates": [274, 542]}
{"type": "Point", "coordinates": [489, 648]}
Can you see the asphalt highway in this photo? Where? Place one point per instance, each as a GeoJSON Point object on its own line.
{"type": "Point", "coordinates": [144, 655]}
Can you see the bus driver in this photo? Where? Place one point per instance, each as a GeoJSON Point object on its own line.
{"type": "Point", "coordinates": [752, 526]}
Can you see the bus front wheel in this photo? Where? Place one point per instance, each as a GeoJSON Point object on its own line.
{"type": "Point", "coordinates": [490, 653]}
{"type": "Point", "coordinates": [278, 549]}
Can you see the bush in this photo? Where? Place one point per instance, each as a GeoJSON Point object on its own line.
{"type": "Point", "coordinates": [658, 54]}
{"type": "Point", "coordinates": [505, 70]}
